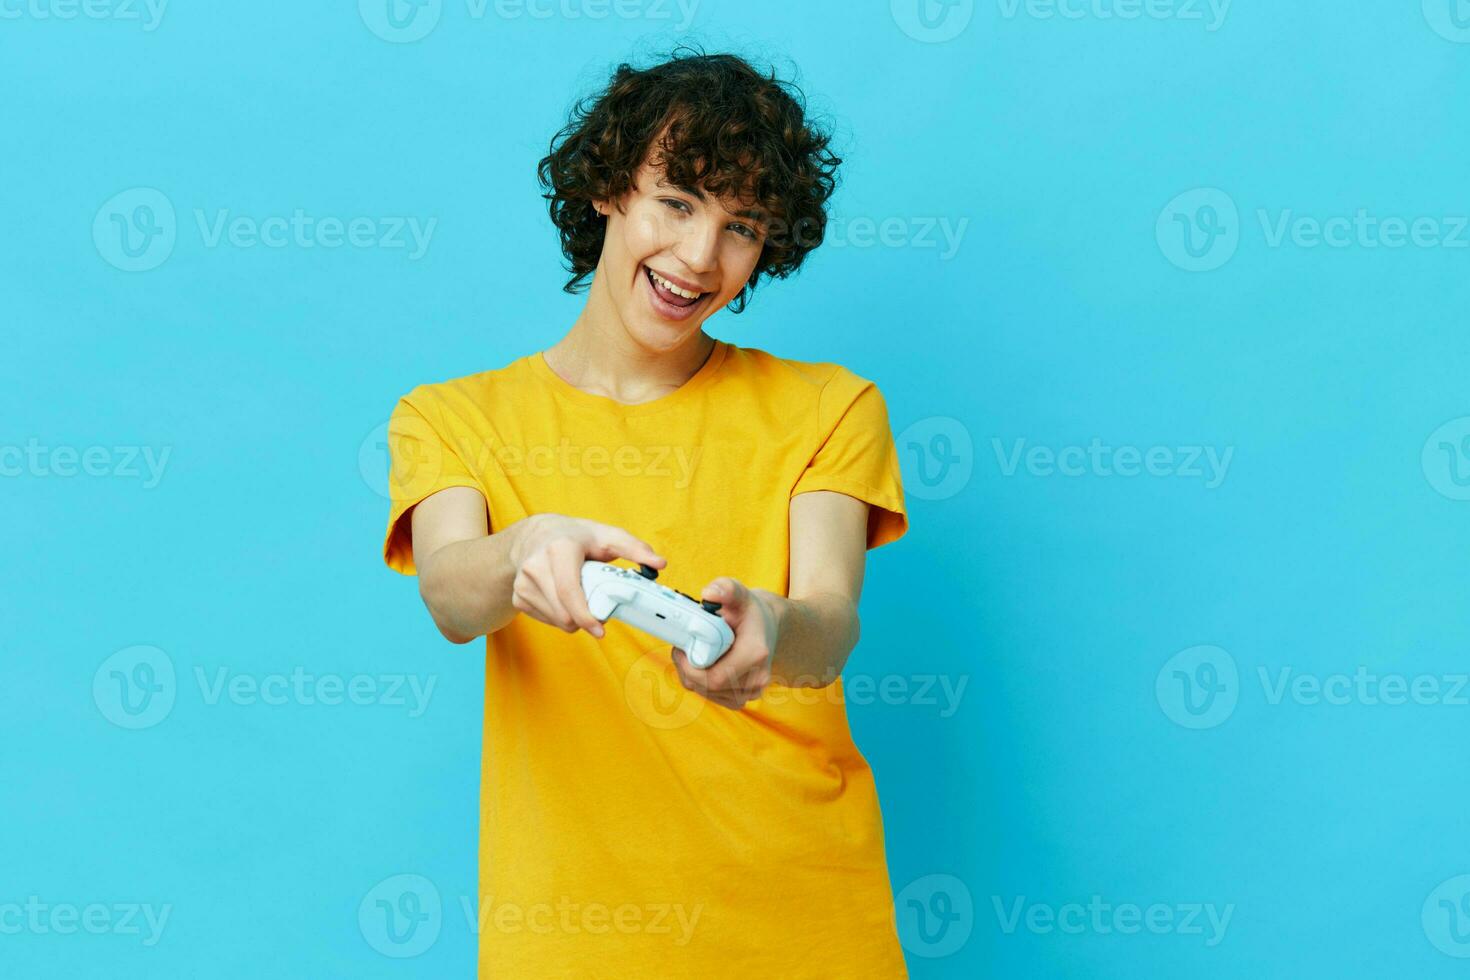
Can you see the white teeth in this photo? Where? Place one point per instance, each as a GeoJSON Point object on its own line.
{"type": "Point", "coordinates": [672, 288]}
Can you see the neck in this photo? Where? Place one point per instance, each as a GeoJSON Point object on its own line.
{"type": "Point", "coordinates": [598, 356]}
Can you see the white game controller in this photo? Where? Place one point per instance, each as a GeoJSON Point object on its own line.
{"type": "Point", "coordinates": [693, 625]}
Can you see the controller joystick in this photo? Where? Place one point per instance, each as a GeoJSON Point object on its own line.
{"type": "Point", "coordinates": [647, 571]}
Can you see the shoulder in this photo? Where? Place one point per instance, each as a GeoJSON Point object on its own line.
{"type": "Point", "coordinates": [823, 391]}
{"type": "Point", "coordinates": [817, 380]}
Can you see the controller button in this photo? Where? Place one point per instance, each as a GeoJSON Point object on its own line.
{"type": "Point", "coordinates": [647, 572]}
{"type": "Point", "coordinates": [709, 606]}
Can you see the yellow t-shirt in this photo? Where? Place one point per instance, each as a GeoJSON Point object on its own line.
{"type": "Point", "coordinates": [630, 828]}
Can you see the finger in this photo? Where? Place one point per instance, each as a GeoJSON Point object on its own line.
{"type": "Point", "coordinates": [617, 543]}
{"type": "Point", "coordinates": [698, 681]}
{"type": "Point", "coordinates": [567, 568]}
{"type": "Point", "coordinates": [727, 698]}
{"type": "Point", "coordinates": [690, 676]}
{"type": "Point", "coordinates": [728, 592]}
{"type": "Point", "coordinates": [527, 597]}
{"type": "Point", "coordinates": [719, 677]}
{"type": "Point", "coordinates": [734, 700]}
{"type": "Point", "coordinates": [717, 683]}
{"type": "Point", "coordinates": [751, 666]}
{"type": "Point", "coordinates": [556, 613]}
{"type": "Point", "coordinates": [754, 680]}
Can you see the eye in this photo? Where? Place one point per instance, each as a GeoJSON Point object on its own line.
{"type": "Point", "coordinates": [682, 207]}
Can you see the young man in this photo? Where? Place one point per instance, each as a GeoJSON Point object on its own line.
{"type": "Point", "coordinates": [641, 817]}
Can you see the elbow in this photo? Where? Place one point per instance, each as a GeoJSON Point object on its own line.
{"type": "Point", "coordinates": [844, 652]}
{"type": "Point", "coordinates": [430, 597]}
{"type": "Point", "coordinates": [448, 631]}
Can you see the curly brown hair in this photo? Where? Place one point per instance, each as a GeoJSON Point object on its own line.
{"type": "Point", "coordinates": [726, 127]}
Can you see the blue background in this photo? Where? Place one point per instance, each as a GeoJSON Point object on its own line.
{"type": "Point", "coordinates": [1067, 313]}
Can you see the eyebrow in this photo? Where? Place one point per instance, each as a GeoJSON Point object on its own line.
{"type": "Point", "coordinates": [754, 214]}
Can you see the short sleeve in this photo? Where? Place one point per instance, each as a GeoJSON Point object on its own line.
{"type": "Point", "coordinates": [857, 455]}
{"type": "Point", "coordinates": [422, 461]}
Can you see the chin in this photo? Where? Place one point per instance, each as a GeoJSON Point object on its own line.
{"type": "Point", "coordinates": [657, 336]}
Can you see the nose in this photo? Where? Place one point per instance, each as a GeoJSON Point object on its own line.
{"type": "Point", "coordinates": [699, 245]}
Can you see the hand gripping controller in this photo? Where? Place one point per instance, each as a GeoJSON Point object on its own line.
{"type": "Point", "coordinates": [690, 624]}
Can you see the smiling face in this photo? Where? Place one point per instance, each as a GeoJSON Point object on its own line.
{"type": "Point", "coordinates": [666, 244]}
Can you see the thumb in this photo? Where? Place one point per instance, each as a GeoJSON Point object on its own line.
{"type": "Point", "coordinates": [726, 591]}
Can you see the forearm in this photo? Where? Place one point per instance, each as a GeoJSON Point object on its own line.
{"type": "Point", "coordinates": [815, 636]}
{"type": "Point", "coordinates": [467, 585]}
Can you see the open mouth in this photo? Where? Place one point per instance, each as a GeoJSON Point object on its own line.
{"type": "Point", "coordinates": [666, 301]}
